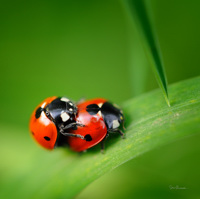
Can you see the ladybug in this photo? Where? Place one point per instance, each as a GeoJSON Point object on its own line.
{"type": "Point", "coordinates": [51, 119]}
{"type": "Point", "coordinates": [57, 121]}
{"type": "Point", "coordinates": [98, 118]}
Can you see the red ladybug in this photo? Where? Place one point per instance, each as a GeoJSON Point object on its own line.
{"type": "Point", "coordinates": [99, 118]}
{"type": "Point", "coordinates": [57, 122]}
{"type": "Point", "coordinates": [49, 119]}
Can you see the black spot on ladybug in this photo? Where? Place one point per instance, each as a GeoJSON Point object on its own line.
{"type": "Point", "coordinates": [47, 138]}
{"type": "Point", "coordinates": [92, 109]}
{"type": "Point", "coordinates": [38, 112]}
{"type": "Point", "coordinates": [88, 137]}
{"type": "Point", "coordinates": [33, 133]}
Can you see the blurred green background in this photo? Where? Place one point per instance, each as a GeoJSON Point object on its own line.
{"type": "Point", "coordinates": [92, 49]}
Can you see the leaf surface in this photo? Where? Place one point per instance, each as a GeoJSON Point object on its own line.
{"type": "Point", "coordinates": [31, 172]}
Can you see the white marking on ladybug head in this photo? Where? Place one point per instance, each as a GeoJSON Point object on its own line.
{"type": "Point", "coordinates": [64, 116]}
{"type": "Point", "coordinates": [100, 105]}
{"type": "Point", "coordinates": [43, 118]}
{"type": "Point", "coordinates": [70, 103]}
{"type": "Point", "coordinates": [43, 114]}
{"type": "Point", "coordinates": [43, 105]}
{"type": "Point", "coordinates": [70, 109]}
{"type": "Point", "coordinates": [115, 124]}
{"type": "Point", "coordinates": [64, 99]}
{"type": "Point", "coordinates": [99, 113]}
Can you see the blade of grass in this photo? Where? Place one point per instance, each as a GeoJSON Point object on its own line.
{"type": "Point", "coordinates": [28, 171]}
{"type": "Point", "coordinates": [138, 66]}
{"type": "Point", "coordinates": [149, 41]}
{"type": "Point", "coordinates": [137, 62]}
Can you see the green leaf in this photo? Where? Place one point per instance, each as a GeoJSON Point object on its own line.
{"type": "Point", "coordinates": [137, 9]}
{"type": "Point", "coordinates": [28, 171]}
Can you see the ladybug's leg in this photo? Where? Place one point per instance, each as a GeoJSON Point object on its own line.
{"type": "Point", "coordinates": [62, 128]}
{"type": "Point", "coordinates": [103, 143]}
{"type": "Point", "coordinates": [71, 125]}
{"type": "Point", "coordinates": [121, 133]}
{"type": "Point", "coordinates": [123, 125]}
{"type": "Point", "coordinates": [73, 135]}
{"type": "Point", "coordinates": [118, 131]}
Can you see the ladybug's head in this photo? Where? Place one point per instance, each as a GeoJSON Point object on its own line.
{"type": "Point", "coordinates": [61, 111]}
{"type": "Point", "coordinates": [44, 130]}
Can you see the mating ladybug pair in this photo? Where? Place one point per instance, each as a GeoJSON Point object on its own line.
{"type": "Point", "coordinates": [57, 121]}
